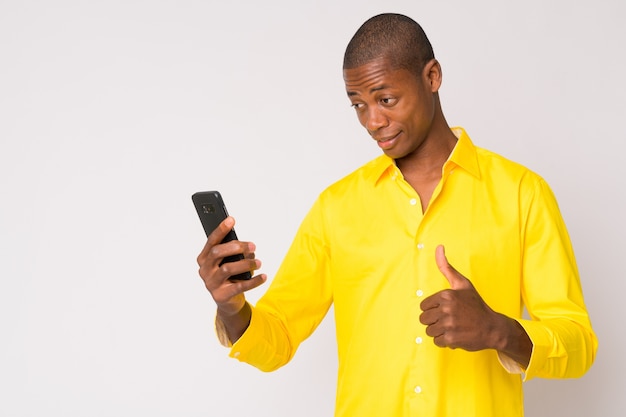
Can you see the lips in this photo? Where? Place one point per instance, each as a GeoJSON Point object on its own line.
{"type": "Point", "coordinates": [387, 141]}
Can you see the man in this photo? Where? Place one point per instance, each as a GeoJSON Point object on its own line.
{"type": "Point", "coordinates": [416, 336]}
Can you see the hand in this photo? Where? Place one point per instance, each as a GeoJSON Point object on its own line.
{"type": "Point", "coordinates": [227, 294]}
{"type": "Point", "coordinates": [458, 317]}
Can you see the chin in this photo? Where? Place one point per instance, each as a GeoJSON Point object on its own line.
{"type": "Point", "coordinates": [394, 153]}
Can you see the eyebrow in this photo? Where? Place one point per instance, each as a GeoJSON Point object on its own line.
{"type": "Point", "coordinates": [372, 90]}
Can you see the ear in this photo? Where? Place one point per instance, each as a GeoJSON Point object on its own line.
{"type": "Point", "coordinates": [432, 75]}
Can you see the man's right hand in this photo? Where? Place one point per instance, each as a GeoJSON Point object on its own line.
{"type": "Point", "coordinates": [229, 295]}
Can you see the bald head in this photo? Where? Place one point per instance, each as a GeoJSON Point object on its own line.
{"type": "Point", "coordinates": [395, 37]}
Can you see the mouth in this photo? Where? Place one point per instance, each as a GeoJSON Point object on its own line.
{"type": "Point", "coordinates": [387, 142]}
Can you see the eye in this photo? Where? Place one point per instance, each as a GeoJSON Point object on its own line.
{"type": "Point", "coordinates": [388, 101]}
{"type": "Point", "coordinates": [357, 106]}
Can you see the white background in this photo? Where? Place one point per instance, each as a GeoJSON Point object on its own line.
{"type": "Point", "coordinates": [112, 113]}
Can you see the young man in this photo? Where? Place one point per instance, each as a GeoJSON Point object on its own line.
{"type": "Point", "coordinates": [416, 336]}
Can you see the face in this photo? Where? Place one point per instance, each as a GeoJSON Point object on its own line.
{"type": "Point", "coordinates": [395, 106]}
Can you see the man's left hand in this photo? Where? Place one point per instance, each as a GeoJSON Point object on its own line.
{"type": "Point", "coordinates": [458, 317]}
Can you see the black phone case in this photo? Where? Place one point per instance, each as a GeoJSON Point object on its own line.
{"type": "Point", "coordinates": [212, 211]}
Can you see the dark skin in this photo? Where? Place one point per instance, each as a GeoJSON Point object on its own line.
{"type": "Point", "coordinates": [402, 112]}
{"type": "Point", "coordinates": [459, 318]}
{"type": "Point", "coordinates": [232, 309]}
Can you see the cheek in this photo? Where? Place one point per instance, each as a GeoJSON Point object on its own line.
{"type": "Point", "coordinates": [407, 118]}
{"type": "Point", "coordinates": [422, 114]}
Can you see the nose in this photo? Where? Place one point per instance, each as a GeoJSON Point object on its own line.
{"type": "Point", "coordinates": [375, 120]}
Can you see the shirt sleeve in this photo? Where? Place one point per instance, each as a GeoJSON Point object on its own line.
{"type": "Point", "coordinates": [220, 331]}
{"type": "Point", "coordinates": [296, 302]}
{"type": "Point", "coordinates": [564, 344]}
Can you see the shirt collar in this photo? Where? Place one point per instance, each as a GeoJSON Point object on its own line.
{"type": "Point", "coordinates": [463, 155]}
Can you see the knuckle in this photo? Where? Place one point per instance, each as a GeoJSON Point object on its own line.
{"type": "Point", "coordinates": [226, 269]}
{"type": "Point", "coordinates": [203, 273]}
{"type": "Point", "coordinates": [447, 295]}
{"type": "Point", "coordinates": [448, 323]}
{"type": "Point", "coordinates": [214, 252]}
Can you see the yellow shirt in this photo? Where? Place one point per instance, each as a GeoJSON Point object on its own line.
{"type": "Point", "coordinates": [367, 247]}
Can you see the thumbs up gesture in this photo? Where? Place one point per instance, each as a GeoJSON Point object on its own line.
{"type": "Point", "coordinates": [458, 317]}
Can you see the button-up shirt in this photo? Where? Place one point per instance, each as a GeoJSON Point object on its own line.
{"type": "Point", "coordinates": [367, 248]}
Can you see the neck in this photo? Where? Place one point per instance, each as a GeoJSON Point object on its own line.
{"type": "Point", "coordinates": [427, 161]}
{"type": "Point", "coordinates": [422, 168]}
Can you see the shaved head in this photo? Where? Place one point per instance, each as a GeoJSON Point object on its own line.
{"type": "Point", "coordinates": [395, 37]}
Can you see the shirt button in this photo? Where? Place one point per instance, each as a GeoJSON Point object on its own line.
{"type": "Point", "coordinates": [418, 340]}
{"type": "Point", "coordinates": [419, 293]}
{"type": "Point", "coordinates": [236, 354]}
{"type": "Point", "coordinates": [413, 201]}
{"type": "Point", "coordinates": [420, 246]}
{"type": "Point", "coordinates": [418, 389]}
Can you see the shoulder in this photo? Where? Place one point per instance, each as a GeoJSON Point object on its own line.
{"type": "Point", "coordinates": [488, 167]}
{"type": "Point", "coordinates": [512, 180]}
{"type": "Point", "coordinates": [496, 167]}
{"type": "Point", "coordinates": [362, 178]}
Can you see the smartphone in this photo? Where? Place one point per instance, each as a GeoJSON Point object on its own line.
{"type": "Point", "coordinates": [212, 211]}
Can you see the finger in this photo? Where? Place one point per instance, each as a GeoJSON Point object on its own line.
{"type": "Point", "coordinates": [253, 282]}
{"type": "Point", "coordinates": [217, 235]}
{"type": "Point", "coordinates": [213, 274]}
{"type": "Point", "coordinates": [218, 277]}
{"type": "Point", "coordinates": [456, 280]}
{"type": "Point", "coordinates": [429, 317]}
{"type": "Point", "coordinates": [233, 288]}
{"type": "Point", "coordinates": [234, 268]}
{"type": "Point", "coordinates": [226, 295]}
{"type": "Point", "coordinates": [430, 302]}
{"type": "Point", "coordinates": [443, 340]}
{"type": "Point", "coordinates": [248, 252]}
{"type": "Point", "coordinates": [435, 331]}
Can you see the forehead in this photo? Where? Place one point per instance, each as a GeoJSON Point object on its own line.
{"type": "Point", "coordinates": [376, 74]}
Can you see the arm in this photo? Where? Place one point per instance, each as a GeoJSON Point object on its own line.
{"type": "Point", "coordinates": [563, 344]}
{"type": "Point", "coordinates": [293, 305]}
{"type": "Point", "coordinates": [233, 312]}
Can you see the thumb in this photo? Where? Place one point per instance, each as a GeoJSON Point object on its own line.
{"type": "Point", "coordinates": [456, 280]}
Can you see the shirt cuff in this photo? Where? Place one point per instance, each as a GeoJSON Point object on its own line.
{"type": "Point", "coordinates": [510, 365]}
{"type": "Point", "coordinates": [220, 331]}
{"type": "Point", "coordinates": [542, 339]}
